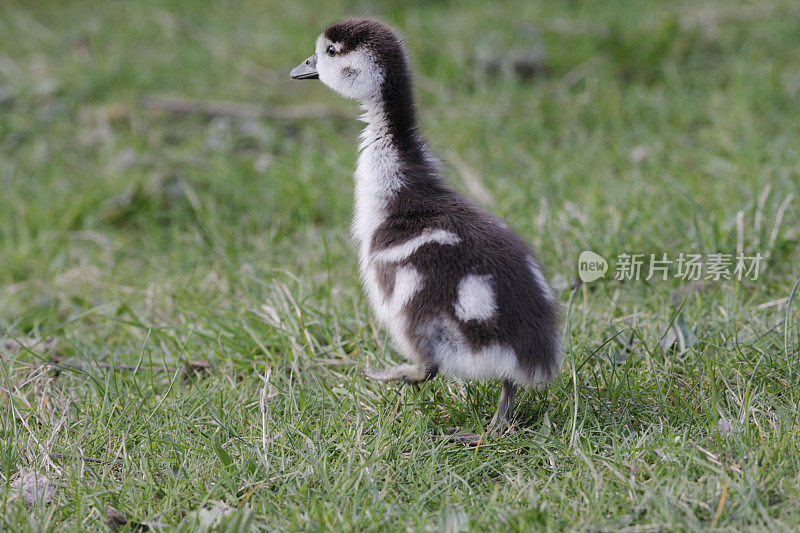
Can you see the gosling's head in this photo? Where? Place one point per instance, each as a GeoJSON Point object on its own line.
{"type": "Point", "coordinates": [362, 59]}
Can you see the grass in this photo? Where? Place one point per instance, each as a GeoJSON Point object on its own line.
{"type": "Point", "coordinates": [143, 239]}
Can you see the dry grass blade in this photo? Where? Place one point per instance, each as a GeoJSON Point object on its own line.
{"type": "Point", "coordinates": [773, 236]}
{"type": "Point", "coordinates": [14, 345]}
{"type": "Point", "coordinates": [472, 181]}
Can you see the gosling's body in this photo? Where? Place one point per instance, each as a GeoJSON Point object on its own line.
{"type": "Point", "coordinates": [459, 291]}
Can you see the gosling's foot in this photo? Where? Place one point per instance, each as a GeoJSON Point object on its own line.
{"type": "Point", "coordinates": [405, 373]}
{"type": "Point", "coordinates": [469, 438]}
{"type": "Point", "coordinates": [500, 422]}
{"type": "Point", "coordinates": [466, 438]}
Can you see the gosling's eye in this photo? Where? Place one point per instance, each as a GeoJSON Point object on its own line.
{"type": "Point", "coordinates": [331, 51]}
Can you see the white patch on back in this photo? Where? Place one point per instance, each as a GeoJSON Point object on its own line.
{"type": "Point", "coordinates": [404, 251]}
{"type": "Point", "coordinates": [476, 300]}
{"type": "Point", "coordinates": [540, 281]}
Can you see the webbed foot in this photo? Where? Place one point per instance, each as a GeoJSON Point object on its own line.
{"type": "Point", "coordinates": [499, 423]}
{"type": "Point", "coordinates": [466, 438]}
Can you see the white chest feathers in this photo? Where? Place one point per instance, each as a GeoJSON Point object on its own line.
{"type": "Point", "coordinates": [377, 178]}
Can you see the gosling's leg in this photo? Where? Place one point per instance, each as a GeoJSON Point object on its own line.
{"type": "Point", "coordinates": [505, 407]}
{"type": "Point", "coordinates": [407, 373]}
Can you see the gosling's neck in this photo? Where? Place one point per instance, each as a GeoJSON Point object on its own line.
{"type": "Point", "coordinates": [393, 153]}
{"type": "Point", "coordinates": [394, 166]}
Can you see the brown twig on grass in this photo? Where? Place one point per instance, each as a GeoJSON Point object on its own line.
{"type": "Point", "coordinates": [190, 368]}
{"type": "Point", "coordinates": [226, 108]}
{"type": "Point", "coordinates": [84, 458]}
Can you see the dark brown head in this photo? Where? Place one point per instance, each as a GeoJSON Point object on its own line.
{"type": "Point", "coordinates": [362, 59]}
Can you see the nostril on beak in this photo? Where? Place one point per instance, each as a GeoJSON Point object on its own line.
{"type": "Point", "coordinates": [307, 70]}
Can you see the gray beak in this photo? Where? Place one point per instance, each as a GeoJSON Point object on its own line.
{"type": "Point", "coordinates": [307, 70]}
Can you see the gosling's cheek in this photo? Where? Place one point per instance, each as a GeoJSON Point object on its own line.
{"type": "Point", "coordinates": [324, 70]}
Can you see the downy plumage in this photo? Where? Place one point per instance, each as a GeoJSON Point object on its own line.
{"type": "Point", "coordinates": [458, 290]}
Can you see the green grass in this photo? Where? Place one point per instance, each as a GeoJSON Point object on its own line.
{"type": "Point", "coordinates": [145, 238]}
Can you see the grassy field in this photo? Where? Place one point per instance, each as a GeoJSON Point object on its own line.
{"type": "Point", "coordinates": [195, 273]}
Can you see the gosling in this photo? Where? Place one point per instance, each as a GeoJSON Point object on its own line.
{"type": "Point", "coordinates": [459, 292]}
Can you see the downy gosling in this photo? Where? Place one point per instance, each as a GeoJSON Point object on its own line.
{"type": "Point", "coordinates": [459, 292]}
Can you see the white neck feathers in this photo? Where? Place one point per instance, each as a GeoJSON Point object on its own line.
{"type": "Point", "coordinates": [378, 174]}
